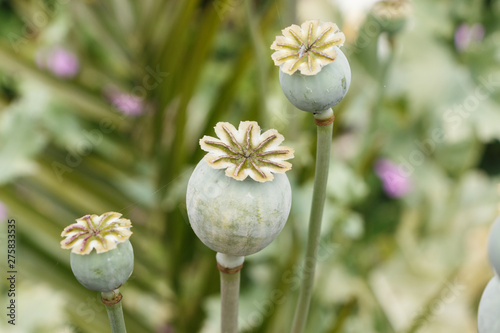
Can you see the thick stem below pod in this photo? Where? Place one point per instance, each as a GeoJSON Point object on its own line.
{"type": "Point", "coordinates": [229, 267]}
{"type": "Point", "coordinates": [113, 304]}
{"type": "Point", "coordinates": [324, 122]}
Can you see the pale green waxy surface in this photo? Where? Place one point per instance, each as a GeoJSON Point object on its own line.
{"type": "Point", "coordinates": [488, 318]}
{"type": "Point", "coordinates": [316, 93]}
{"type": "Point", "coordinates": [234, 217]}
{"type": "Point", "coordinates": [393, 26]}
{"type": "Point", "coordinates": [494, 246]}
{"type": "Point", "coordinates": [229, 261]}
{"type": "Point", "coordinates": [104, 271]}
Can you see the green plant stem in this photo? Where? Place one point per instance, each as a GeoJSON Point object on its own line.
{"type": "Point", "coordinates": [324, 138]}
{"type": "Point", "coordinates": [229, 267]}
{"type": "Point", "coordinates": [344, 313]}
{"type": "Point", "coordinates": [229, 289]}
{"type": "Point", "coordinates": [115, 312]}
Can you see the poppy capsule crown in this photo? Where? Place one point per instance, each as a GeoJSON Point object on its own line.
{"type": "Point", "coordinates": [242, 209]}
{"type": "Point", "coordinates": [102, 258]}
{"type": "Point", "coordinates": [314, 73]}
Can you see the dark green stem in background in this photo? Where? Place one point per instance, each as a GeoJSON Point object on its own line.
{"type": "Point", "coordinates": [318, 203]}
{"type": "Point", "coordinates": [260, 63]}
{"type": "Point", "coordinates": [371, 145]}
{"type": "Point", "coordinates": [113, 304]}
{"type": "Point", "coordinates": [91, 105]}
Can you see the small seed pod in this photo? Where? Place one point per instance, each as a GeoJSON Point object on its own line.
{"type": "Point", "coordinates": [104, 271]}
{"type": "Point", "coordinates": [314, 72]}
{"type": "Point", "coordinates": [391, 15]}
{"type": "Point", "coordinates": [230, 212]}
{"type": "Point", "coordinates": [319, 92]}
{"type": "Point", "coordinates": [488, 320]}
{"type": "Point", "coordinates": [112, 262]}
{"type": "Point", "coordinates": [494, 246]}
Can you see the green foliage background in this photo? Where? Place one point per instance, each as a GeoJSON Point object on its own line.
{"type": "Point", "coordinates": [414, 264]}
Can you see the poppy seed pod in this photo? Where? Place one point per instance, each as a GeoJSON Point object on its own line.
{"type": "Point", "coordinates": [319, 92]}
{"type": "Point", "coordinates": [391, 15]}
{"type": "Point", "coordinates": [494, 246]}
{"type": "Point", "coordinates": [104, 271]}
{"type": "Point", "coordinates": [234, 217]}
{"type": "Point", "coordinates": [241, 210]}
{"type": "Point", "coordinates": [102, 258]}
{"type": "Point", "coordinates": [314, 72]}
{"type": "Point", "coordinates": [488, 320]}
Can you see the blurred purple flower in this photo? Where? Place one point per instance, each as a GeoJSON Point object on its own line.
{"type": "Point", "coordinates": [394, 182]}
{"type": "Point", "coordinates": [3, 212]}
{"type": "Point", "coordinates": [465, 35]}
{"type": "Point", "coordinates": [128, 104]}
{"type": "Point", "coordinates": [59, 61]}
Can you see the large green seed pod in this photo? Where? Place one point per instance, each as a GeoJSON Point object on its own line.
{"type": "Point", "coordinates": [104, 271]}
{"type": "Point", "coordinates": [234, 217]}
{"type": "Point", "coordinates": [317, 93]}
{"type": "Point", "coordinates": [241, 210]}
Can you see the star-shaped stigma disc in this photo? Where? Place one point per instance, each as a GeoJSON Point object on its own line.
{"type": "Point", "coordinates": [102, 232]}
{"type": "Point", "coordinates": [246, 152]}
{"type": "Point", "coordinates": [307, 48]}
